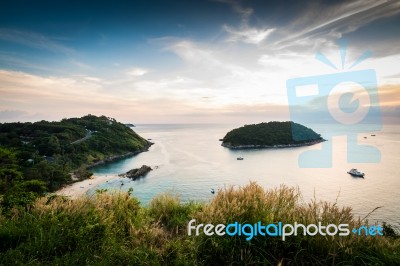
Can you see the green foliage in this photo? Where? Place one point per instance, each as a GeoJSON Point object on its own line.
{"type": "Point", "coordinates": [23, 194]}
{"type": "Point", "coordinates": [115, 229]}
{"type": "Point", "coordinates": [389, 231]}
{"type": "Point", "coordinates": [252, 203]}
{"type": "Point", "coordinates": [101, 191]}
{"type": "Point", "coordinates": [49, 151]}
{"type": "Point", "coordinates": [96, 138]}
{"type": "Point", "coordinates": [86, 231]}
{"type": "Point", "coordinates": [270, 134]}
{"type": "Point", "coordinates": [83, 173]}
{"type": "Point", "coordinates": [170, 212]}
{"type": "Point", "coordinates": [9, 169]}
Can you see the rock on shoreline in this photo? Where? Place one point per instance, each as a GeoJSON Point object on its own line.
{"type": "Point", "coordinates": [137, 172]}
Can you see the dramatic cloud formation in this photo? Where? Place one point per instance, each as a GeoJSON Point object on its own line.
{"type": "Point", "coordinates": [211, 61]}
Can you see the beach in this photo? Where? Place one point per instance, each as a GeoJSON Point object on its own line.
{"type": "Point", "coordinates": [80, 188]}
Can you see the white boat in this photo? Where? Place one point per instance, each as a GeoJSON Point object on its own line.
{"type": "Point", "coordinates": [355, 172]}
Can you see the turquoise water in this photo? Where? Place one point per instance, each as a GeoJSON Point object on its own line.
{"type": "Point", "coordinates": [189, 160]}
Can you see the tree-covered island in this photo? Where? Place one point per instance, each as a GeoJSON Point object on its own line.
{"type": "Point", "coordinates": [41, 157]}
{"type": "Point", "coordinates": [271, 135]}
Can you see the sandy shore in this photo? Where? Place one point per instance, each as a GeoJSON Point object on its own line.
{"type": "Point", "coordinates": [78, 189]}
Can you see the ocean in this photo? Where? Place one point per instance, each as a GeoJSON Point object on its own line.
{"type": "Point", "coordinates": [190, 161]}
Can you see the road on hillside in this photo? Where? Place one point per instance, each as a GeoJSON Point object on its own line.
{"type": "Point", "coordinates": [88, 136]}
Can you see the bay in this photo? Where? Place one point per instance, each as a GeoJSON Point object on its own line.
{"type": "Point", "coordinates": [190, 161]}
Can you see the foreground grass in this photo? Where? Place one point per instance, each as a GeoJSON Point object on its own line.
{"type": "Point", "coordinates": [116, 229]}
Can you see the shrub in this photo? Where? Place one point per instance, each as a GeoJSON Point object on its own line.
{"type": "Point", "coordinates": [167, 210]}
{"type": "Point", "coordinates": [251, 203]}
{"type": "Point", "coordinates": [115, 229]}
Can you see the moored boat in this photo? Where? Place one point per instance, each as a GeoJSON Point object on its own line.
{"type": "Point", "coordinates": [355, 172]}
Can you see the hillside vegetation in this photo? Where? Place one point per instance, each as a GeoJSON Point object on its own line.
{"type": "Point", "coordinates": [269, 135]}
{"type": "Point", "coordinates": [115, 229]}
{"type": "Point", "coordinates": [36, 158]}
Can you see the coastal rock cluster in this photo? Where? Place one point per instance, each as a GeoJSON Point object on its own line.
{"type": "Point", "coordinates": [137, 172]}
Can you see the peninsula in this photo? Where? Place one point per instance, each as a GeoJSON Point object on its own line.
{"type": "Point", "coordinates": [271, 135]}
{"type": "Point", "coordinates": [42, 157]}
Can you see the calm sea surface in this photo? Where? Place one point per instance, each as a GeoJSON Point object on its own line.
{"type": "Point", "coordinates": [189, 160]}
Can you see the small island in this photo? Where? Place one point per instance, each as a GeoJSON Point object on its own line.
{"type": "Point", "coordinates": [271, 135]}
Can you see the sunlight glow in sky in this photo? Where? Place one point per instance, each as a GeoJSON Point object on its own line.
{"type": "Point", "coordinates": [221, 61]}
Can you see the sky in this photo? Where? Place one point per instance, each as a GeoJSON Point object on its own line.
{"type": "Point", "coordinates": [210, 61]}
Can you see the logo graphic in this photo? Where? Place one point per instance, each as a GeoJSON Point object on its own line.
{"type": "Point", "coordinates": [347, 100]}
{"type": "Point", "coordinates": [280, 229]}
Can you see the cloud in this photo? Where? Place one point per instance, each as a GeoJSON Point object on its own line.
{"type": "Point", "coordinates": [136, 72]}
{"type": "Point", "coordinates": [335, 20]}
{"type": "Point", "coordinates": [12, 59]}
{"type": "Point", "coordinates": [51, 96]}
{"type": "Point", "coordinates": [389, 96]}
{"type": "Point", "coordinates": [248, 75]}
{"type": "Point", "coordinates": [243, 11]}
{"type": "Point", "coordinates": [55, 97]}
{"type": "Point", "coordinates": [34, 40]}
{"type": "Point", "coordinates": [247, 34]}
{"type": "Point", "coordinates": [95, 79]}
{"type": "Point", "coordinates": [18, 84]}
{"type": "Point", "coordinates": [80, 64]}
{"type": "Point", "coordinates": [194, 53]}
{"type": "Point", "coordinates": [214, 79]}
{"type": "Point", "coordinates": [168, 99]}
{"type": "Point", "coordinates": [11, 114]}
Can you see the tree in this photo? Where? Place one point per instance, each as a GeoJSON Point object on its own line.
{"type": "Point", "coordinates": [51, 174]}
{"type": "Point", "coordinates": [9, 169]}
{"type": "Point", "coordinates": [23, 194]}
{"type": "Point", "coordinates": [53, 145]}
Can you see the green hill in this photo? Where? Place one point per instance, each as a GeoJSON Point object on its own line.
{"type": "Point", "coordinates": [270, 135]}
{"type": "Point", "coordinates": [38, 157]}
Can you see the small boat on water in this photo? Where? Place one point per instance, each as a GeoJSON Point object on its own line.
{"type": "Point", "coordinates": [355, 172]}
{"type": "Point", "coordinates": [240, 158]}
{"type": "Point", "coordinates": [212, 191]}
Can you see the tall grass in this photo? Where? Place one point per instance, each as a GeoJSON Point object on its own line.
{"type": "Point", "coordinates": [116, 229]}
{"type": "Point", "coordinates": [252, 203]}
